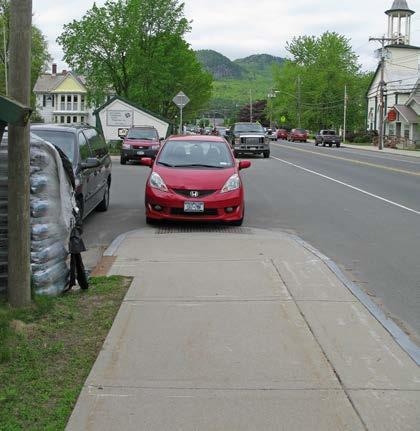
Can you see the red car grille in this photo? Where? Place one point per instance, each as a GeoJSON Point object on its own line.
{"type": "Point", "coordinates": [187, 193]}
{"type": "Point", "coordinates": [206, 212]}
{"type": "Point", "coordinates": [141, 147]}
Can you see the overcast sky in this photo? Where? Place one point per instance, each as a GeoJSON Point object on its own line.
{"type": "Point", "coordinates": [238, 28]}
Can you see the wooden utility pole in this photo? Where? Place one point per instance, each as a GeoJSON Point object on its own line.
{"type": "Point", "coordinates": [382, 85]}
{"type": "Point", "coordinates": [299, 113]}
{"type": "Point", "coordinates": [19, 274]}
{"type": "Point", "coordinates": [345, 114]}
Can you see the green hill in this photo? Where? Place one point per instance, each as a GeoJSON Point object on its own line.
{"type": "Point", "coordinates": [235, 80]}
{"type": "Point", "coordinates": [218, 65]}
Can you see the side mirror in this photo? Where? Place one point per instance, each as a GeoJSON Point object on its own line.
{"type": "Point", "coordinates": [147, 161]}
{"type": "Point", "coordinates": [161, 139]}
{"type": "Point", "coordinates": [244, 164]}
{"type": "Point", "coordinates": [90, 163]}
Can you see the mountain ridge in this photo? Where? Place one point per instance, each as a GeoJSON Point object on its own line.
{"type": "Point", "coordinates": [221, 67]}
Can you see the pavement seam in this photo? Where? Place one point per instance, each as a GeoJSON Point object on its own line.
{"type": "Point", "coordinates": [337, 375]}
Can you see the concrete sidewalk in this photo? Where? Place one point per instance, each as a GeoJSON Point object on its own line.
{"type": "Point", "coordinates": [241, 329]}
{"type": "Point", "coordinates": [385, 150]}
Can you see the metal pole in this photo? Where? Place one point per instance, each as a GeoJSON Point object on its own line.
{"type": "Point", "coordinates": [345, 114]}
{"type": "Point", "coordinates": [6, 79]}
{"type": "Point", "coordinates": [180, 120]}
{"type": "Point", "coordinates": [19, 273]}
{"type": "Point", "coordinates": [250, 106]}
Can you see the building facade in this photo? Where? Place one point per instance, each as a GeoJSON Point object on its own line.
{"type": "Point", "coordinates": [402, 82]}
{"type": "Point", "coordinates": [62, 98]}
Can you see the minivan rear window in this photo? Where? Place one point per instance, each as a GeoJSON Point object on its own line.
{"type": "Point", "coordinates": [63, 140]}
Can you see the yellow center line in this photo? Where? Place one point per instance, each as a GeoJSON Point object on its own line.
{"type": "Point", "coordinates": [358, 162]}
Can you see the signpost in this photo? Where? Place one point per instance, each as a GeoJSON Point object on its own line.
{"type": "Point", "coordinates": [181, 100]}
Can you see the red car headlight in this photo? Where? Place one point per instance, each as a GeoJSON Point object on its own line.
{"type": "Point", "coordinates": [157, 182]}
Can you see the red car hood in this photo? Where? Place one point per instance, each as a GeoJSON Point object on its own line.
{"type": "Point", "coordinates": [140, 142]}
{"type": "Point", "coordinates": [194, 179]}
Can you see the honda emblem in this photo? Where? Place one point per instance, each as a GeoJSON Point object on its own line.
{"type": "Point", "coordinates": [194, 194]}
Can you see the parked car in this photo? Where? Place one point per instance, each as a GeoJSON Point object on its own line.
{"type": "Point", "coordinates": [88, 152]}
{"type": "Point", "coordinates": [282, 134]}
{"type": "Point", "coordinates": [195, 178]}
{"type": "Point", "coordinates": [221, 130]}
{"type": "Point", "coordinates": [300, 135]}
{"type": "Point", "coordinates": [327, 137]}
{"type": "Point", "coordinates": [249, 138]}
{"type": "Point", "coordinates": [140, 141]}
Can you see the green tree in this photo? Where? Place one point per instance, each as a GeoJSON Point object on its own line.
{"type": "Point", "coordinates": [40, 54]}
{"type": "Point", "coordinates": [136, 48]}
{"type": "Point", "coordinates": [319, 70]}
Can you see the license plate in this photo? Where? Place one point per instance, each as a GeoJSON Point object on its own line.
{"type": "Point", "coordinates": [140, 153]}
{"type": "Point", "coordinates": [252, 148]}
{"type": "Point", "coordinates": [193, 207]}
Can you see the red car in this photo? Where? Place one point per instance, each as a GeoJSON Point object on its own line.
{"type": "Point", "coordinates": [141, 141]}
{"type": "Point", "coordinates": [300, 135]}
{"type": "Point", "coordinates": [195, 178]}
{"type": "Point", "coordinates": [282, 134]}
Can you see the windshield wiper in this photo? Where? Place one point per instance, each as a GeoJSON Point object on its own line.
{"type": "Point", "coordinates": [167, 164]}
{"type": "Point", "coordinates": [199, 165]}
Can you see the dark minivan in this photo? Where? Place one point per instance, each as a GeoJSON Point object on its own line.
{"type": "Point", "coordinates": [88, 152]}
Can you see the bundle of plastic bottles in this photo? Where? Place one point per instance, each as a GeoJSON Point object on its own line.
{"type": "Point", "coordinates": [51, 219]}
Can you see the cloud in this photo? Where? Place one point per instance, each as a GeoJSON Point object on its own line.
{"type": "Point", "coordinates": [239, 28]}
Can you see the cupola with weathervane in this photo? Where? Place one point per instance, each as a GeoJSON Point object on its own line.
{"type": "Point", "coordinates": [399, 22]}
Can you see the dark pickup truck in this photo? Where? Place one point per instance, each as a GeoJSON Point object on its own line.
{"type": "Point", "coordinates": [327, 137]}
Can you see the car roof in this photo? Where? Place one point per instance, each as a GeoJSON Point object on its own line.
{"type": "Point", "coordinates": [61, 127]}
{"type": "Point", "coordinates": [247, 122]}
{"type": "Point", "coordinates": [206, 138]}
{"type": "Point", "coordinates": [143, 127]}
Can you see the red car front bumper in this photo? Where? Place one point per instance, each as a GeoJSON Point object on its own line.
{"type": "Point", "coordinates": [225, 207]}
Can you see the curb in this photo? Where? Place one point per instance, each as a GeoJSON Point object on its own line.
{"type": "Point", "coordinates": [396, 332]}
{"type": "Point", "coordinates": [402, 339]}
{"type": "Point", "coordinates": [379, 152]}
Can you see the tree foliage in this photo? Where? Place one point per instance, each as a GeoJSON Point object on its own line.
{"type": "Point", "coordinates": [40, 54]}
{"type": "Point", "coordinates": [136, 48]}
{"type": "Point", "coordinates": [324, 66]}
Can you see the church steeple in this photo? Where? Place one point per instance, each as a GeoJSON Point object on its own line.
{"type": "Point", "coordinates": [399, 22]}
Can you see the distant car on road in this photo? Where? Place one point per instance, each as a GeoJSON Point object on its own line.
{"type": "Point", "coordinates": [140, 141]}
{"type": "Point", "coordinates": [282, 134]}
{"type": "Point", "coordinates": [195, 178]}
{"type": "Point", "coordinates": [249, 138]}
{"type": "Point", "coordinates": [327, 137]}
{"type": "Point", "coordinates": [87, 150]}
{"type": "Point", "coordinates": [221, 130]}
{"type": "Point", "coordinates": [300, 135]}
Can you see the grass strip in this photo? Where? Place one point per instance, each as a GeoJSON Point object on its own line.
{"type": "Point", "coordinates": [47, 351]}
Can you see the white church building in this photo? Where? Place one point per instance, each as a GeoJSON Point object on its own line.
{"type": "Point", "coordinates": [402, 80]}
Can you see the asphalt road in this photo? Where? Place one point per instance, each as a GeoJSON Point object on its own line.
{"type": "Point", "coordinates": [358, 208]}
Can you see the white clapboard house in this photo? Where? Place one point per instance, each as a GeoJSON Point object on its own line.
{"type": "Point", "coordinates": [402, 81]}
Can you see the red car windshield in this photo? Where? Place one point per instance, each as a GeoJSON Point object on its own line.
{"type": "Point", "coordinates": [300, 131]}
{"type": "Point", "coordinates": [205, 154]}
{"type": "Point", "coordinates": [146, 134]}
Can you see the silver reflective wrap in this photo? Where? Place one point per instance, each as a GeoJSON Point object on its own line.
{"type": "Point", "coordinates": [52, 202]}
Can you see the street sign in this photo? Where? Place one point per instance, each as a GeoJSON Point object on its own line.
{"type": "Point", "coordinates": [282, 119]}
{"type": "Point", "coordinates": [392, 115]}
{"type": "Point", "coordinates": [181, 100]}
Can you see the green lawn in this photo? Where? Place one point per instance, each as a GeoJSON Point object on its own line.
{"type": "Point", "coordinates": [47, 351]}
